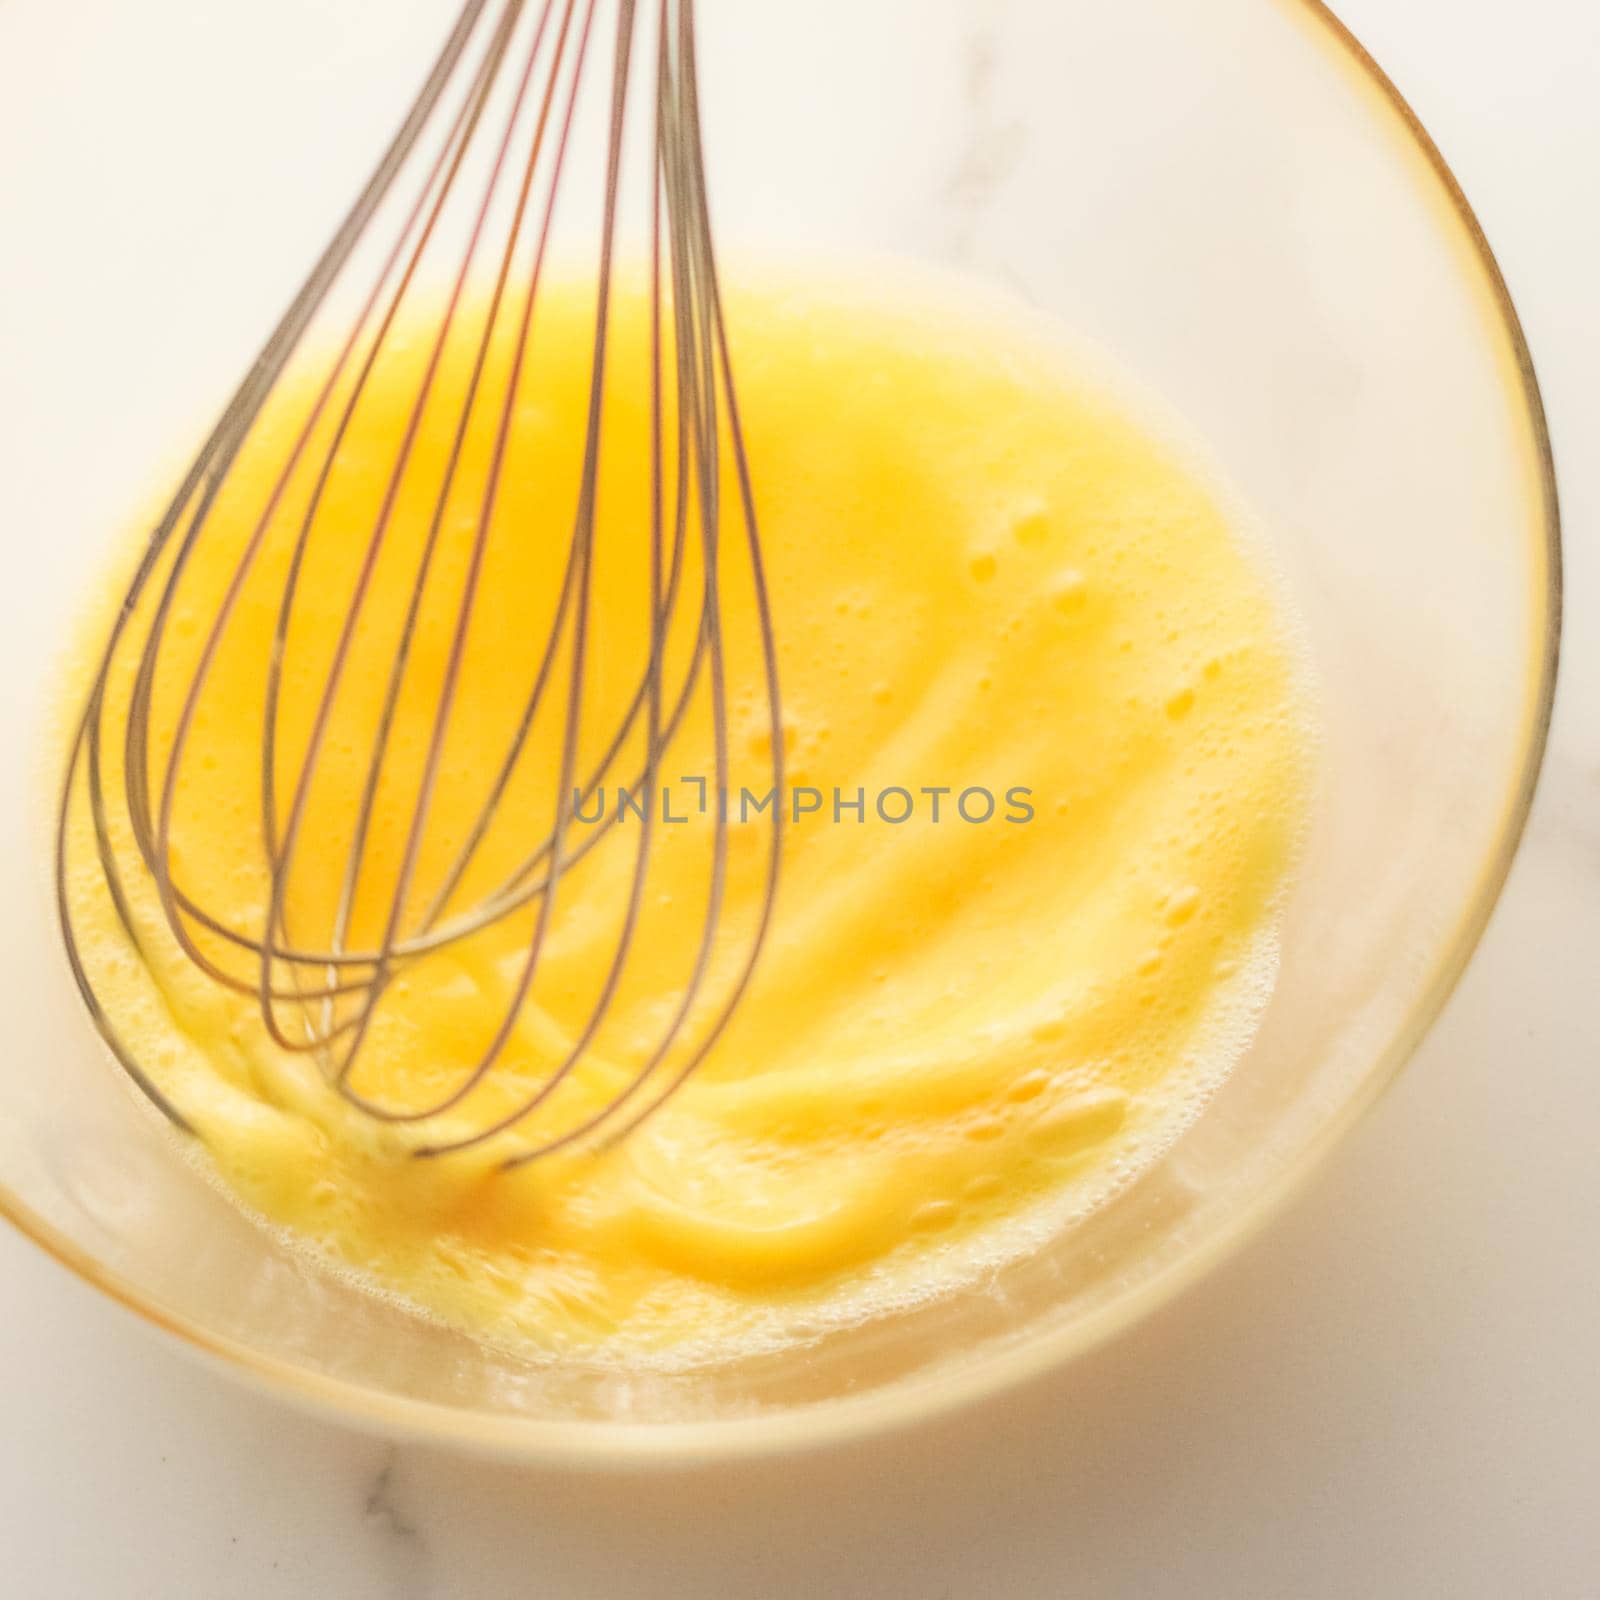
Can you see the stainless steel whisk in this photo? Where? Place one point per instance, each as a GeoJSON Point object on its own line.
{"type": "Point", "coordinates": [320, 996]}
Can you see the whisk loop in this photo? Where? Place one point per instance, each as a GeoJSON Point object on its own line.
{"type": "Point", "coordinates": [503, 95]}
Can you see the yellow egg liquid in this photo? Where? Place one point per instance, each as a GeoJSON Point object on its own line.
{"type": "Point", "coordinates": [986, 578]}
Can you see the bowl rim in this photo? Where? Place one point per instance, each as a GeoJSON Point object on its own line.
{"type": "Point", "coordinates": [599, 1444]}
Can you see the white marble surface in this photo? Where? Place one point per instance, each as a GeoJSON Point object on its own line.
{"type": "Point", "coordinates": [1396, 1392]}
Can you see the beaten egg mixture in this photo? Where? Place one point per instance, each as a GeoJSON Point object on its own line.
{"type": "Point", "coordinates": [987, 578]}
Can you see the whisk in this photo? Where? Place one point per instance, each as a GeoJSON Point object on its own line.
{"type": "Point", "coordinates": [503, 93]}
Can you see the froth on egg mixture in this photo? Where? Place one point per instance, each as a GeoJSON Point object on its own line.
{"type": "Point", "coordinates": [1046, 754]}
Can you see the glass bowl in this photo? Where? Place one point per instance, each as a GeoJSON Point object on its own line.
{"type": "Point", "coordinates": [1230, 198]}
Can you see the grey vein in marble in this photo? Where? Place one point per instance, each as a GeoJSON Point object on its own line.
{"type": "Point", "coordinates": [401, 1541]}
{"type": "Point", "coordinates": [991, 145]}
